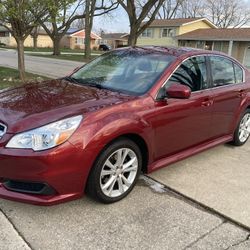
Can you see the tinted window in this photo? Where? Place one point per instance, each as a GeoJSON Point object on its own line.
{"type": "Point", "coordinates": [222, 71]}
{"type": "Point", "coordinates": [238, 73]}
{"type": "Point", "coordinates": [192, 73]}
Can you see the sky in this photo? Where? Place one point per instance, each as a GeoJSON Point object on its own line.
{"type": "Point", "coordinates": [118, 22]}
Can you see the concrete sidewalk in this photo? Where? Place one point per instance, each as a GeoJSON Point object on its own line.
{"type": "Point", "coordinates": [149, 218]}
{"type": "Point", "coordinates": [218, 178]}
{"type": "Point", "coordinates": [9, 238]}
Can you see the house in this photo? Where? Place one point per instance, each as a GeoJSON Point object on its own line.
{"type": "Point", "coordinates": [163, 32]}
{"type": "Point", "coordinates": [6, 37]}
{"type": "Point", "coordinates": [75, 39]}
{"type": "Point", "coordinates": [43, 40]}
{"type": "Point", "coordinates": [234, 41]}
{"type": "Point", "coordinates": [115, 40]}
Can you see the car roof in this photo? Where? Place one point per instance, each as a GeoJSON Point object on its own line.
{"type": "Point", "coordinates": [174, 51]}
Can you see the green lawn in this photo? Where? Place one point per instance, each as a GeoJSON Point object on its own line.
{"type": "Point", "coordinates": [10, 78]}
{"type": "Point", "coordinates": [77, 58]}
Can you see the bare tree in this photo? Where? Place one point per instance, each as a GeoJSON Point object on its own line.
{"type": "Point", "coordinates": [223, 13]}
{"type": "Point", "coordinates": [20, 18]}
{"type": "Point", "coordinates": [79, 24]}
{"type": "Point", "coordinates": [138, 12]}
{"type": "Point", "coordinates": [227, 13]}
{"type": "Point", "coordinates": [192, 8]}
{"type": "Point", "coordinates": [169, 9]}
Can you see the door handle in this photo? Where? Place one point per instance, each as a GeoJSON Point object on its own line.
{"type": "Point", "coordinates": [241, 93]}
{"type": "Point", "coordinates": [207, 102]}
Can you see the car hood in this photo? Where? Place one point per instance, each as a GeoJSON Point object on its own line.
{"type": "Point", "coordinates": [35, 104]}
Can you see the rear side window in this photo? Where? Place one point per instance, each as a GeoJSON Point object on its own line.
{"type": "Point", "coordinates": [222, 71]}
{"type": "Point", "coordinates": [192, 73]}
{"type": "Point", "coordinates": [238, 73]}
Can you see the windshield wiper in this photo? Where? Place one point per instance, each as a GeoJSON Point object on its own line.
{"type": "Point", "coordinates": [95, 85]}
{"type": "Point", "coordinates": [81, 82]}
{"type": "Point", "coordinates": [71, 79]}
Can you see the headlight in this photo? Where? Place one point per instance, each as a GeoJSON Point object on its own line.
{"type": "Point", "coordinates": [47, 136]}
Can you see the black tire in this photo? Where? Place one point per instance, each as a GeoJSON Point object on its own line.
{"type": "Point", "coordinates": [93, 187]}
{"type": "Point", "coordinates": [236, 141]}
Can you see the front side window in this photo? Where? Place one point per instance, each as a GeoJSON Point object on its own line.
{"type": "Point", "coordinates": [132, 71]}
{"type": "Point", "coordinates": [192, 73]}
{"type": "Point", "coordinates": [222, 71]}
{"type": "Point", "coordinates": [147, 33]}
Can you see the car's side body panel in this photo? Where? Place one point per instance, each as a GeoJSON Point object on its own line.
{"type": "Point", "coordinates": [187, 120]}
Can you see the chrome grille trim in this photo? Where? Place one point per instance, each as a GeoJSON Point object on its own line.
{"type": "Point", "coordinates": [2, 131]}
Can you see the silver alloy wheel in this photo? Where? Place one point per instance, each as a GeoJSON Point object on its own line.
{"type": "Point", "coordinates": [244, 129]}
{"type": "Point", "coordinates": [119, 172]}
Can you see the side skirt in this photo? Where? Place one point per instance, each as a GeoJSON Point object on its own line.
{"type": "Point", "coordinates": [188, 152]}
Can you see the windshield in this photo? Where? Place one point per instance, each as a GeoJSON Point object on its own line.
{"type": "Point", "coordinates": [130, 71]}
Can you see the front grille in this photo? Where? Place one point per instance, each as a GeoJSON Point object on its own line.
{"type": "Point", "coordinates": [3, 129]}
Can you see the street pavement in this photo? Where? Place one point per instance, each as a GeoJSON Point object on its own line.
{"type": "Point", "coordinates": [198, 203]}
{"type": "Point", "coordinates": [49, 67]}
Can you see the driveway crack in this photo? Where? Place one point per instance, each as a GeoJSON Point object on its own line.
{"type": "Point", "coordinates": [239, 242]}
{"type": "Point", "coordinates": [16, 229]}
{"type": "Point", "coordinates": [204, 235]}
{"type": "Point", "coordinates": [160, 188]}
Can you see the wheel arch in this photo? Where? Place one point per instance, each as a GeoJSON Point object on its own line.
{"type": "Point", "coordinates": [139, 141]}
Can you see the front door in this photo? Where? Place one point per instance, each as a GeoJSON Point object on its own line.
{"type": "Point", "coordinates": [183, 123]}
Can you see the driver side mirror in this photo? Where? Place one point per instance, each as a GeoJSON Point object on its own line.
{"type": "Point", "coordinates": [178, 90]}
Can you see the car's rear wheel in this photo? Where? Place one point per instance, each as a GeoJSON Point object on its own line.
{"type": "Point", "coordinates": [115, 172]}
{"type": "Point", "coordinates": [242, 132]}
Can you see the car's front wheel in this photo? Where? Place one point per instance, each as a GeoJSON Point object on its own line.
{"type": "Point", "coordinates": [115, 172]}
{"type": "Point", "coordinates": [242, 132]}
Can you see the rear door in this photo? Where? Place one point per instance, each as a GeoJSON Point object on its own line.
{"type": "Point", "coordinates": [227, 93]}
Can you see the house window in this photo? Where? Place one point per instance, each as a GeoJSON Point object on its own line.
{"type": "Point", "coordinates": [168, 32]}
{"type": "Point", "coordinates": [200, 44]}
{"type": "Point", "coordinates": [79, 41]}
{"type": "Point", "coordinates": [147, 33]}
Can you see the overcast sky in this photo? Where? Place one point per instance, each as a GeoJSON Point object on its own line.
{"type": "Point", "coordinates": [117, 23]}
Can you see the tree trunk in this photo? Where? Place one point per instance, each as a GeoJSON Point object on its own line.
{"type": "Point", "coordinates": [56, 46]}
{"type": "Point", "coordinates": [87, 48]}
{"type": "Point", "coordinates": [132, 40]}
{"type": "Point", "coordinates": [21, 65]}
{"type": "Point", "coordinates": [35, 42]}
{"type": "Point", "coordinates": [87, 42]}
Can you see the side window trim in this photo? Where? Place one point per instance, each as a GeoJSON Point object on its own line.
{"type": "Point", "coordinates": [209, 72]}
{"type": "Point", "coordinates": [243, 73]}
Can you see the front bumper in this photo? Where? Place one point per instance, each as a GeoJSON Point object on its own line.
{"type": "Point", "coordinates": [63, 169]}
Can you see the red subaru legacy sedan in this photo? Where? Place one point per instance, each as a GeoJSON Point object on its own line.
{"type": "Point", "coordinates": [131, 110]}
